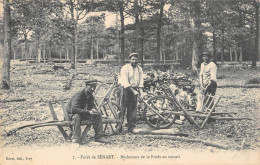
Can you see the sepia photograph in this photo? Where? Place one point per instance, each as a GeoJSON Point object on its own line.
{"type": "Point", "coordinates": [109, 82]}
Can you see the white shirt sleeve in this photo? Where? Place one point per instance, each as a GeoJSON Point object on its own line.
{"type": "Point", "coordinates": [213, 72]}
{"type": "Point", "coordinates": [124, 77]}
{"type": "Point", "coordinates": [201, 69]}
{"type": "Point", "coordinates": [141, 84]}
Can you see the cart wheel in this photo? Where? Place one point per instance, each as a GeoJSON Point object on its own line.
{"type": "Point", "coordinates": [112, 118]}
{"type": "Point", "coordinates": [164, 107]}
{"type": "Point", "coordinates": [101, 90]}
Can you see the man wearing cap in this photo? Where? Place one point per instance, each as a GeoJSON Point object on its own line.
{"type": "Point", "coordinates": [131, 78]}
{"type": "Point", "coordinates": [208, 76]}
{"type": "Point", "coordinates": [208, 72]}
{"type": "Point", "coordinates": [80, 108]}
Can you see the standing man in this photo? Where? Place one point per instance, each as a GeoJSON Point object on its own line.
{"type": "Point", "coordinates": [208, 78]}
{"type": "Point", "coordinates": [80, 108]}
{"type": "Point", "coordinates": [131, 78]}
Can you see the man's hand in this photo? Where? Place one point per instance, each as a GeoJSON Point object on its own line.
{"type": "Point", "coordinates": [93, 111]}
{"type": "Point", "coordinates": [135, 92]}
{"type": "Point", "coordinates": [141, 92]}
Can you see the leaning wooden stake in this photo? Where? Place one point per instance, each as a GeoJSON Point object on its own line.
{"type": "Point", "coordinates": [210, 113]}
{"type": "Point", "coordinates": [186, 139]}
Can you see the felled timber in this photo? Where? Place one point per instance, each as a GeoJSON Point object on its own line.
{"type": "Point", "coordinates": [12, 100]}
{"type": "Point", "coordinates": [213, 117]}
{"type": "Point", "coordinates": [170, 132]}
{"type": "Point", "coordinates": [187, 140]}
{"type": "Point", "coordinates": [240, 86]}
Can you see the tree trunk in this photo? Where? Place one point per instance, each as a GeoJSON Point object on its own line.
{"type": "Point", "coordinates": [50, 49]}
{"type": "Point", "coordinates": [67, 52]}
{"type": "Point", "coordinates": [142, 47]}
{"type": "Point", "coordinates": [240, 25]}
{"type": "Point", "coordinates": [22, 48]}
{"type": "Point", "coordinates": [26, 48]}
{"type": "Point", "coordinates": [60, 55]}
{"type": "Point", "coordinates": [72, 57]}
{"type": "Point", "coordinates": [39, 54]}
{"type": "Point", "coordinates": [30, 51]}
{"type": "Point", "coordinates": [137, 27]}
{"type": "Point", "coordinates": [230, 54]}
{"type": "Point", "coordinates": [158, 35]}
{"type": "Point", "coordinates": [195, 56]}
{"type": "Point", "coordinates": [240, 54]}
{"type": "Point", "coordinates": [236, 59]}
{"type": "Point", "coordinates": [97, 50]}
{"type": "Point", "coordinates": [196, 44]}
{"type": "Point", "coordinates": [214, 47]}
{"type": "Point", "coordinates": [142, 42]}
{"type": "Point", "coordinates": [76, 36]}
{"type": "Point", "coordinates": [122, 33]}
{"type": "Point", "coordinates": [39, 51]}
{"type": "Point", "coordinates": [44, 53]}
{"type": "Point", "coordinates": [257, 43]}
{"type": "Point", "coordinates": [14, 52]}
{"type": "Point", "coordinates": [163, 51]}
{"type": "Point", "coordinates": [5, 78]}
{"type": "Point", "coordinates": [223, 46]}
{"type": "Point", "coordinates": [91, 49]}
{"type": "Point", "coordinates": [258, 33]}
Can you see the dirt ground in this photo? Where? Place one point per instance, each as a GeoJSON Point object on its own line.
{"type": "Point", "coordinates": [38, 85]}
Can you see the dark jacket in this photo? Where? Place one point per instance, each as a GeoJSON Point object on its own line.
{"type": "Point", "coordinates": [79, 103]}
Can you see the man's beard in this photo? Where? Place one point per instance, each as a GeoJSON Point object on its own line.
{"type": "Point", "coordinates": [134, 64]}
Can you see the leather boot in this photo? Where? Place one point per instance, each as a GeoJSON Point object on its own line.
{"type": "Point", "coordinates": [102, 140]}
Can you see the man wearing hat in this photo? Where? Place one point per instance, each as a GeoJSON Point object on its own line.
{"type": "Point", "coordinates": [131, 78]}
{"type": "Point", "coordinates": [208, 72]}
{"type": "Point", "coordinates": [80, 108]}
{"type": "Point", "coordinates": [208, 76]}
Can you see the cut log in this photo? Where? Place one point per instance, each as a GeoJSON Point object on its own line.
{"type": "Point", "coordinates": [55, 80]}
{"type": "Point", "coordinates": [240, 86]}
{"type": "Point", "coordinates": [213, 117]}
{"type": "Point", "coordinates": [147, 130]}
{"type": "Point", "coordinates": [173, 132]}
{"type": "Point", "coordinates": [12, 100]}
{"type": "Point", "coordinates": [187, 140]}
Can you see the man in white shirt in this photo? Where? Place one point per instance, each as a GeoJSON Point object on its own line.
{"type": "Point", "coordinates": [208, 78]}
{"type": "Point", "coordinates": [208, 72]}
{"type": "Point", "coordinates": [131, 78]}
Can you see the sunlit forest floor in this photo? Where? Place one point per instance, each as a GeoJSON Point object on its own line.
{"type": "Point", "coordinates": [38, 85]}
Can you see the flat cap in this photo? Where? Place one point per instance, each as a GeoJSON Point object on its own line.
{"type": "Point", "coordinates": [133, 54]}
{"type": "Point", "coordinates": [205, 54]}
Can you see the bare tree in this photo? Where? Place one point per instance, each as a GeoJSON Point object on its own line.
{"type": "Point", "coordinates": [5, 82]}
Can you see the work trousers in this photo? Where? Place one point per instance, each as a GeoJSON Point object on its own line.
{"type": "Point", "coordinates": [95, 118]}
{"type": "Point", "coordinates": [129, 103]}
